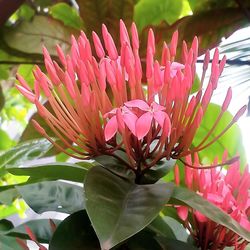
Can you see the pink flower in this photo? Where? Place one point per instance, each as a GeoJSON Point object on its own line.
{"type": "Point", "coordinates": [99, 104]}
{"type": "Point", "coordinates": [228, 190]}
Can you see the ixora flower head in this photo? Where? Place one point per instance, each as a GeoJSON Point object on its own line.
{"type": "Point", "coordinates": [228, 190]}
{"type": "Point", "coordinates": [99, 104]}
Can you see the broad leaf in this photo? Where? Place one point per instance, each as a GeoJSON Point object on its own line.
{"type": "Point", "coordinates": [25, 151]}
{"type": "Point", "coordinates": [171, 244]}
{"type": "Point", "coordinates": [9, 243]}
{"type": "Point", "coordinates": [96, 12]}
{"type": "Point", "coordinates": [161, 228]}
{"type": "Point", "coordinates": [53, 196]}
{"type": "Point", "coordinates": [153, 12]}
{"type": "Point", "coordinates": [53, 171]}
{"type": "Point", "coordinates": [231, 141]}
{"type": "Point", "coordinates": [29, 37]}
{"type": "Point", "coordinates": [41, 228]}
{"type": "Point", "coordinates": [118, 208]}
{"type": "Point", "coordinates": [67, 14]}
{"type": "Point", "coordinates": [75, 232]}
{"type": "Point", "coordinates": [182, 195]}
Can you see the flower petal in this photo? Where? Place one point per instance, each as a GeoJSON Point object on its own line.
{"type": "Point", "coordinates": [143, 125]}
{"type": "Point", "coordinates": [182, 212]}
{"type": "Point", "coordinates": [130, 120]}
{"type": "Point", "coordinates": [110, 128]}
{"type": "Point", "coordinates": [137, 104]}
{"type": "Point", "coordinates": [160, 117]}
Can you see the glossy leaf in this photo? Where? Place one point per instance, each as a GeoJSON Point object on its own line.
{"type": "Point", "coordinates": [161, 228]}
{"type": "Point", "coordinates": [9, 243]}
{"type": "Point", "coordinates": [41, 228]}
{"type": "Point", "coordinates": [231, 141]}
{"type": "Point", "coordinates": [75, 232]}
{"type": "Point", "coordinates": [153, 12]}
{"type": "Point", "coordinates": [118, 208]}
{"type": "Point", "coordinates": [53, 171]}
{"type": "Point", "coordinates": [53, 196]}
{"type": "Point", "coordinates": [29, 37]}
{"type": "Point", "coordinates": [182, 195]}
{"type": "Point", "coordinates": [25, 151]}
{"type": "Point", "coordinates": [155, 173]}
{"type": "Point", "coordinates": [67, 14]}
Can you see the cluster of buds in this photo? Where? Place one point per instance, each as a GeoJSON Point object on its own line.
{"type": "Point", "coordinates": [99, 104]}
{"type": "Point", "coordinates": [228, 190]}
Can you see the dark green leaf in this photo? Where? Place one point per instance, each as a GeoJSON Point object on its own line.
{"type": "Point", "coordinates": [114, 165]}
{"type": "Point", "coordinates": [118, 208]}
{"type": "Point", "coordinates": [214, 213]}
{"type": "Point", "coordinates": [9, 243]}
{"type": "Point", "coordinates": [155, 173]}
{"type": "Point", "coordinates": [231, 141]}
{"type": "Point", "coordinates": [41, 229]}
{"type": "Point", "coordinates": [8, 194]}
{"type": "Point", "coordinates": [171, 244]}
{"type": "Point", "coordinates": [5, 225]}
{"type": "Point", "coordinates": [68, 15]}
{"type": "Point", "coordinates": [53, 171]}
{"type": "Point", "coordinates": [75, 233]}
{"type": "Point", "coordinates": [53, 196]}
{"type": "Point", "coordinates": [161, 228]}
{"type": "Point", "coordinates": [28, 37]}
{"type": "Point", "coordinates": [25, 151]}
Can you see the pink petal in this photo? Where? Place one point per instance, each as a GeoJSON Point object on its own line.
{"type": "Point", "coordinates": [110, 128]}
{"type": "Point", "coordinates": [160, 117]}
{"type": "Point", "coordinates": [130, 120]}
{"type": "Point", "coordinates": [157, 107]}
{"type": "Point", "coordinates": [137, 104]}
{"type": "Point", "coordinates": [143, 125]}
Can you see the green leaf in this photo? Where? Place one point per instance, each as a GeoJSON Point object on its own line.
{"type": "Point", "coordinates": [5, 225]}
{"type": "Point", "coordinates": [53, 171]}
{"type": "Point", "coordinates": [5, 141]}
{"type": "Point", "coordinates": [26, 71]}
{"type": "Point", "coordinates": [29, 37]}
{"type": "Point", "coordinates": [118, 208]}
{"type": "Point", "coordinates": [231, 141]}
{"type": "Point", "coordinates": [25, 151]}
{"type": "Point", "coordinates": [41, 228]}
{"type": "Point", "coordinates": [9, 243]}
{"type": "Point", "coordinates": [68, 15]}
{"type": "Point", "coordinates": [26, 12]}
{"type": "Point", "coordinates": [155, 173]}
{"type": "Point", "coordinates": [214, 213]}
{"type": "Point", "coordinates": [161, 228]}
{"type": "Point", "coordinates": [75, 232]}
{"type": "Point", "coordinates": [153, 12]}
{"type": "Point", "coordinates": [53, 196]}
{"type": "Point", "coordinates": [171, 244]}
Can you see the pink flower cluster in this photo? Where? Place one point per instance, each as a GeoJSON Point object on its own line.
{"type": "Point", "coordinates": [228, 190]}
{"type": "Point", "coordinates": [99, 104]}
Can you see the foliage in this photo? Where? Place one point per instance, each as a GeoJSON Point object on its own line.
{"type": "Point", "coordinates": [105, 207]}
